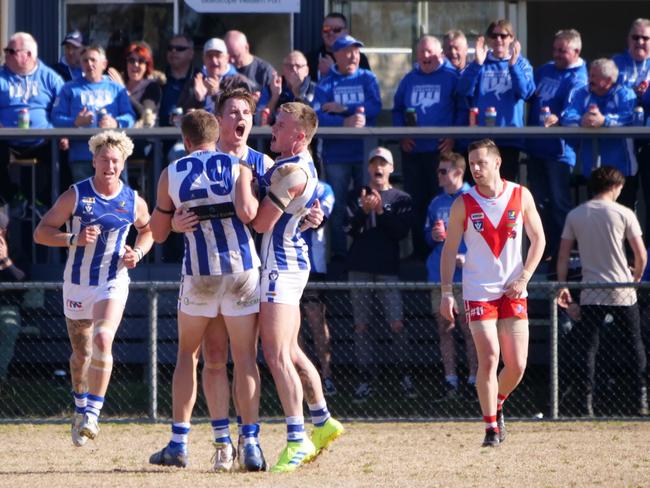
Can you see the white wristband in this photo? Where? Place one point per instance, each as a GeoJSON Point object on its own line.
{"type": "Point", "coordinates": [139, 252]}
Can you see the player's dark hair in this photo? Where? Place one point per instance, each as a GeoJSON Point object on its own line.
{"type": "Point", "coordinates": [489, 144]}
{"type": "Point", "coordinates": [457, 160]}
{"type": "Point", "coordinates": [200, 127]}
{"type": "Point", "coordinates": [604, 179]}
{"type": "Point", "coordinates": [237, 93]}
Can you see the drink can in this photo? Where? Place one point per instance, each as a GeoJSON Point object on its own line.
{"type": "Point", "coordinates": [23, 118]}
{"type": "Point", "coordinates": [473, 116]}
{"type": "Point", "coordinates": [490, 116]}
{"type": "Point", "coordinates": [360, 109]}
{"type": "Point", "coordinates": [440, 225]}
{"type": "Point", "coordinates": [639, 116]}
{"type": "Point", "coordinates": [543, 115]}
{"type": "Point", "coordinates": [101, 113]}
{"type": "Point", "coordinates": [176, 116]}
{"type": "Point", "coordinates": [643, 86]}
{"type": "Point", "coordinates": [411, 117]}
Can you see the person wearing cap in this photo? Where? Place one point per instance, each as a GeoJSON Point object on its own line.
{"type": "Point", "coordinates": [321, 60]}
{"type": "Point", "coordinates": [425, 97]}
{"type": "Point", "coordinates": [9, 308]}
{"type": "Point", "coordinates": [69, 66]}
{"type": "Point", "coordinates": [207, 83]}
{"type": "Point", "coordinates": [379, 216]}
{"type": "Point", "coordinates": [21, 69]}
{"type": "Point", "coordinates": [347, 97]}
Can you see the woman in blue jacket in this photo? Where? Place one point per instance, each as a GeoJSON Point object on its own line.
{"type": "Point", "coordinates": [502, 78]}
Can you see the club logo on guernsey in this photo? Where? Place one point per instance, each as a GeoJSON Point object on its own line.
{"type": "Point", "coordinates": [121, 208]}
{"type": "Point", "coordinates": [477, 221]}
{"type": "Point", "coordinates": [512, 214]}
{"type": "Point", "coordinates": [273, 275]}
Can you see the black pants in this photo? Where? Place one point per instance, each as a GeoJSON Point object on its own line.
{"type": "Point", "coordinates": [625, 323]}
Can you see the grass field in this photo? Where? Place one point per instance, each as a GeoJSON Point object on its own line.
{"type": "Point", "coordinates": [536, 454]}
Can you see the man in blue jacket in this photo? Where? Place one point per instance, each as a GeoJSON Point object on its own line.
{"type": "Point", "coordinates": [502, 78]}
{"type": "Point", "coordinates": [551, 161]}
{"type": "Point", "coordinates": [604, 103]}
{"type": "Point", "coordinates": [26, 83]}
{"type": "Point", "coordinates": [82, 104]}
{"type": "Point", "coordinates": [426, 97]}
{"type": "Point", "coordinates": [347, 97]}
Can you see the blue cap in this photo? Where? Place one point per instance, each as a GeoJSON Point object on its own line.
{"type": "Point", "coordinates": [346, 41]}
{"type": "Point", "coordinates": [75, 38]}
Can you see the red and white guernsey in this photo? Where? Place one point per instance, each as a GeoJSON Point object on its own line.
{"type": "Point", "coordinates": [493, 233]}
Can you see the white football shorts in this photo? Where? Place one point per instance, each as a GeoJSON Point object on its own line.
{"type": "Point", "coordinates": [232, 295]}
{"type": "Point", "coordinates": [283, 286]}
{"type": "Point", "coordinates": [78, 300]}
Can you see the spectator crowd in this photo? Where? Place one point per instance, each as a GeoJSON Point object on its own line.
{"type": "Point", "coordinates": [368, 219]}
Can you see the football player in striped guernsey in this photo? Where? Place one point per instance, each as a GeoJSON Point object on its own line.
{"type": "Point", "coordinates": [287, 192]}
{"type": "Point", "coordinates": [97, 213]}
{"type": "Point", "coordinates": [220, 277]}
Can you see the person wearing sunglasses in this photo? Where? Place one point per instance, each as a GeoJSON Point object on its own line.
{"type": "Point", "coordinates": [502, 78]}
{"type": "Point", "coordinates": [26, 83]}
{"type": "Point", "coordinates": [179, 76]}
{"type": "Point", "coordinates": [451, 170]}
{"type": "Point", "coordinates": [634, 72]}
{"type": "Point", "coordinates": [321, 60]}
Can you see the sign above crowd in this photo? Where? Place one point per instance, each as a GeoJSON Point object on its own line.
{"type": "Point", "coordinates": [245, 6]}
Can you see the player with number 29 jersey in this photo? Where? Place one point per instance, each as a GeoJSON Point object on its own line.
{"type": "Point", "coordinates": [218, 245]}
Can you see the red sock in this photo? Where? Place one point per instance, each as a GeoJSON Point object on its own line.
{"type": "Point", "coordinates": [490, 422]}
{"type": "Point", "coordinates": [500, 399]}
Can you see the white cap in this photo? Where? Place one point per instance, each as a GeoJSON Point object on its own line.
{"type": "Point", "coordinates": [215, 44]}
{"type": "Point", "coordinates": [381, 152]}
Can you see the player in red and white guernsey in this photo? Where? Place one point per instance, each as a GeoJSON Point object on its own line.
{"type": "Point", "coordinates": [492, 218]}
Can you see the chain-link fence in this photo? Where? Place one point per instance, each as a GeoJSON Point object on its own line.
{"type": "Point", "coordinates": [383, 356]}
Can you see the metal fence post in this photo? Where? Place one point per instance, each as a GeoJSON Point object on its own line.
{"type": "Point", "coordinates": [553, 360]}
{"type": "Point", "coordinates": [153, 353]}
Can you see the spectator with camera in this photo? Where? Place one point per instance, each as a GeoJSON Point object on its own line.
{"type": "Point", "coordinates": [379, 216]}
{"type": "Point", "coordinates": [601, 227]}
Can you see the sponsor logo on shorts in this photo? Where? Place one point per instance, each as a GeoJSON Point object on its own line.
{"type": "Point", "coordinates": [74, 305]}
{"type": "Point", "coordinates": [476, 311]}
{"type": "Point", "coordinates": [187, 301]}
{"type": "Point", "coordinates": [273, 275]}
{"type": "Point", "coordinates": [247, 303]}
{"type": "Point", "coordinates": [519, 308]}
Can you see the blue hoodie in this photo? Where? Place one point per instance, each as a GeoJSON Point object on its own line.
{"type": "Point", "coordinates": [75, 95]}
{"type": "Point", "coordinates": [359, 89]}
{"type": "Point", "coordinates": [617, 106]}
{"type": "Point", "coordinates": [631, 72]}
{"type": "Point", "coordinates": [554, 88]}
{"type": "Point", "coordinates": [497, 84]}
{"type": "Point", "coordinates": [439, 209]}
{"type": "Point", "coordinates": [35, 91]}
{"type": "Point", "coordinates": [433, 96]}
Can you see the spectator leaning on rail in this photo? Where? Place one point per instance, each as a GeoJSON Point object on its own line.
{"type": "Point", "coordinates": [551, 161]}
{"type": "Point", "coordinates": [425, 97]}
{"type": "Point", "coordinates": [321, 60]}
{"type": "Point", "coordinates": [69, 66]}
{"type": "Point", "coordinates": [26, 83]}
{"type": "Point", "coordinates": [348, 97]}
{"type": "Point", "coordinates": [603, 103]}
{"type": "Point", "coordinates": [600, 227]}
{"type": "Point", "coordinates": [94, 101]}
{"type": "Point", "coordinates": [502, 78]}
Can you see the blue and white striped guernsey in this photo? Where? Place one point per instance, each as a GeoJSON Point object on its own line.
{"type": "Point", "coordinates": [218, 245]}
{"type": "Point", "coordinates": [315, 238]}
{"type": "Point", "coordinates": [99, 262]}
{"type": "Point", "coordinates": [283, 248]}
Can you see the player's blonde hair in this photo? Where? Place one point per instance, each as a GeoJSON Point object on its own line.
{"type": "Point", "coordinates": [111, 138]}
{"type": "Point", "coordinates": [304, 115]}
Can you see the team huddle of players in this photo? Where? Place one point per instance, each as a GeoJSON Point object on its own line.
{"type": "Point", "coordinates": [232, 294]}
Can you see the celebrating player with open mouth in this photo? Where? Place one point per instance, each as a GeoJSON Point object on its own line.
{"type": "Point", "coordinates": [98, 213]}
{"type": "Point", "coordinates": [491, 218]}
